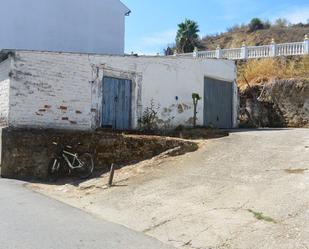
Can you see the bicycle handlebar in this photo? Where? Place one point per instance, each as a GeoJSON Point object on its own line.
{"type": "Point", "coordinates": [68, 146]}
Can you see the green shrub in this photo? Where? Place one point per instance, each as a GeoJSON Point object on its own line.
{"type": "Point", "coordinates": [256, 24]}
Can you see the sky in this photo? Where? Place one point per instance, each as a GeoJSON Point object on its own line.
{"type": "Point", "coordinates": [152, 25]}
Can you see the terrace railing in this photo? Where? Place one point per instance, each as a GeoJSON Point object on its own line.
{"type": "Point", "coordinates": [254, 52]}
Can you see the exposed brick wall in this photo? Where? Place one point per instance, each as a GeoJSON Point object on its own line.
{"type": "Point", "coordinates": [50, 93]}
{"type": "Point", "coordinates": [4, 91]}
{"type": "Point", "coordinates": [27, 153]}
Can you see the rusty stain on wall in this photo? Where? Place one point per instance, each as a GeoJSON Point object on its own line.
{"type": "Point", "coordinates": [63, 108]}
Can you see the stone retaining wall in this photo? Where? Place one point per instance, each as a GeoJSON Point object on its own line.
{"type": "Point", "coordinates": [26, 154]}
{"type": "Point", "coordinates": [281, 103]}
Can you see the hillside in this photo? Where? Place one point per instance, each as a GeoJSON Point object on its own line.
{"type": "Point", "coordinates": [274, 92]}
{"type": "Point", "coordinates": [235, 38]}
{"type": "Point", "coordinates": [260, 71]}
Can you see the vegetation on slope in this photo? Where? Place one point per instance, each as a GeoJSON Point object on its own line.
{"type": "Point", "coordinates": [257, 33]}
{"type": "Point", "coordinates": [258, 72]}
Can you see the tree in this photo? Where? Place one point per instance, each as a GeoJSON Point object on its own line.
{"type": "Point", "coordinates": [267, 24]}
{"type": "Point", "coordinates": [233, 28]}
{"type": "Point", "coordinates": [169, 50]}
{"type": "Point", "coordinates": [282, 22]}
{"type": "Point", "coordinates": [187, 36]}
{"type": "Point", "coordinates": [256, 24]}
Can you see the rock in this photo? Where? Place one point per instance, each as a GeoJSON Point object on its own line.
{"type": "Point", "coordinates": [281, 103]}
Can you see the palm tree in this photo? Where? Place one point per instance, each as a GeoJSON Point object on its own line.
{"type": "Point", "coordinates": [187, 36]}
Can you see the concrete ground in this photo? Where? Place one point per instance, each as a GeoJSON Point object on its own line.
{"type": "Point", "coordinates": [248, 190]}
{"type": "Point", "coordinates": [29, 220]}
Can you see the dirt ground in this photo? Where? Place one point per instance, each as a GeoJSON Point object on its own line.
{"type": "Point", "coordinates": [248, 190]}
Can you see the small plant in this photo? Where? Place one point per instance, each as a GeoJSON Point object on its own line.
{"type": "Point", "coordinates": [148, 122]}
{"type": "Point", "coordinates": [261, 216]}
{"type": "Point", "coordinates": [196, 97]}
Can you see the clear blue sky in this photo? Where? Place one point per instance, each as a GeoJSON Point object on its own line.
{"type": "Point", "coordinates": [153, 23]}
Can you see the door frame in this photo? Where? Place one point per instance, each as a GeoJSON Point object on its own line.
{"type": "Point", "coordinates": [136, 93]}
{"type": "Point", "coordinates": [115, 105]}
{"type": "Point", "coordinates": [231, 125]}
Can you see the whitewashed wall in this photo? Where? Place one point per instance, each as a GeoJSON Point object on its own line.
{"type": "Point", "coordinates": [4, 91]}
{"type": "Point", "coordinates": [96, 26]}
{"type": "Point", "coordinates": [64, 90]}
{"type": "Point", "coordinates": [164, 79]}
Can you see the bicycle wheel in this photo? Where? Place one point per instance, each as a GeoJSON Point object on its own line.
{"type": "Point", "coordinates": [53, 170]}
{"type": "Point", "coordinates": [87, 166]}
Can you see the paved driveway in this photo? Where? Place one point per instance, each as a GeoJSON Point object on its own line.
{"type": "Point", "coordinates": [248, 190]}
{"type": "Point", "coordinates": [31, 221]}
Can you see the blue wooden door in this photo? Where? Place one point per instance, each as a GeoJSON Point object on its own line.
{"type": "Point", "coordinates": [117, 103]}
{"type": "Point", "coordinates": [218, 97]}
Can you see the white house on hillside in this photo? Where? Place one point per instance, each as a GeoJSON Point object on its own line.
{"type": "Point", "coordinates": [92, 26]}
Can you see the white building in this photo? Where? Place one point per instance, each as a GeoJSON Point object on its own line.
{"type": "Point", "coordinates": [85, 91]}
{"type": "Point", "coordinates": [92, 26]}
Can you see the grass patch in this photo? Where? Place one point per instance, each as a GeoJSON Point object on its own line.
{"type": "Point", "coordinates": [260, 71]}
{"type": "Point", "coordinates": [261, 216]}
{"type": "Point", "coordinates": [295, 171]}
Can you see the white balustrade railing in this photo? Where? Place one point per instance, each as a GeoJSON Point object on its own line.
{"type": "Point", "coordinates": [252, 52]}
{"type": "Point", "coordinates": [232, 54]}
{"type": "Point", "coordinates": [296, 48]}
{"type": "Point", "coordinates": [207, 54]}
{"type": "Point", "coordinates": [259, 51]}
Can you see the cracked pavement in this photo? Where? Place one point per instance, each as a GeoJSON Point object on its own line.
{"type": "Point", "coordinates": [201, 200]}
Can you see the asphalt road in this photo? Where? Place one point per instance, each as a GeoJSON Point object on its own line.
{"type": "Point", "coordinates": [31, 221]}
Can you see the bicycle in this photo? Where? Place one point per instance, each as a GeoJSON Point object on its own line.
{"type": "Point", "coordinates": [83, 165]}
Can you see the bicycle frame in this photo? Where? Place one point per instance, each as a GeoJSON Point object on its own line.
{"type": "Point", "coordinates": [66, 155]}
{"type": "Point", "coordinates": [69, 162]}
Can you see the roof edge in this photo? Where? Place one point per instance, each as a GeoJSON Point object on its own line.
{"type": "Point", "coordinates": [127, 10]}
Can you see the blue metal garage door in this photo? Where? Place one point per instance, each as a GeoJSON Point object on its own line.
{"type": "Point", "coordinates": [218, 96]}
{"type": "Point", "coordinates": [116, 103]}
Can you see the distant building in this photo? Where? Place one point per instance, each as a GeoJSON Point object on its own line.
{"type": "Point", "coordinates": [91, 26]}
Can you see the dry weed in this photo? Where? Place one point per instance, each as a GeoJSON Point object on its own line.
{"type": "Point", "coordinates": [260, 71]}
